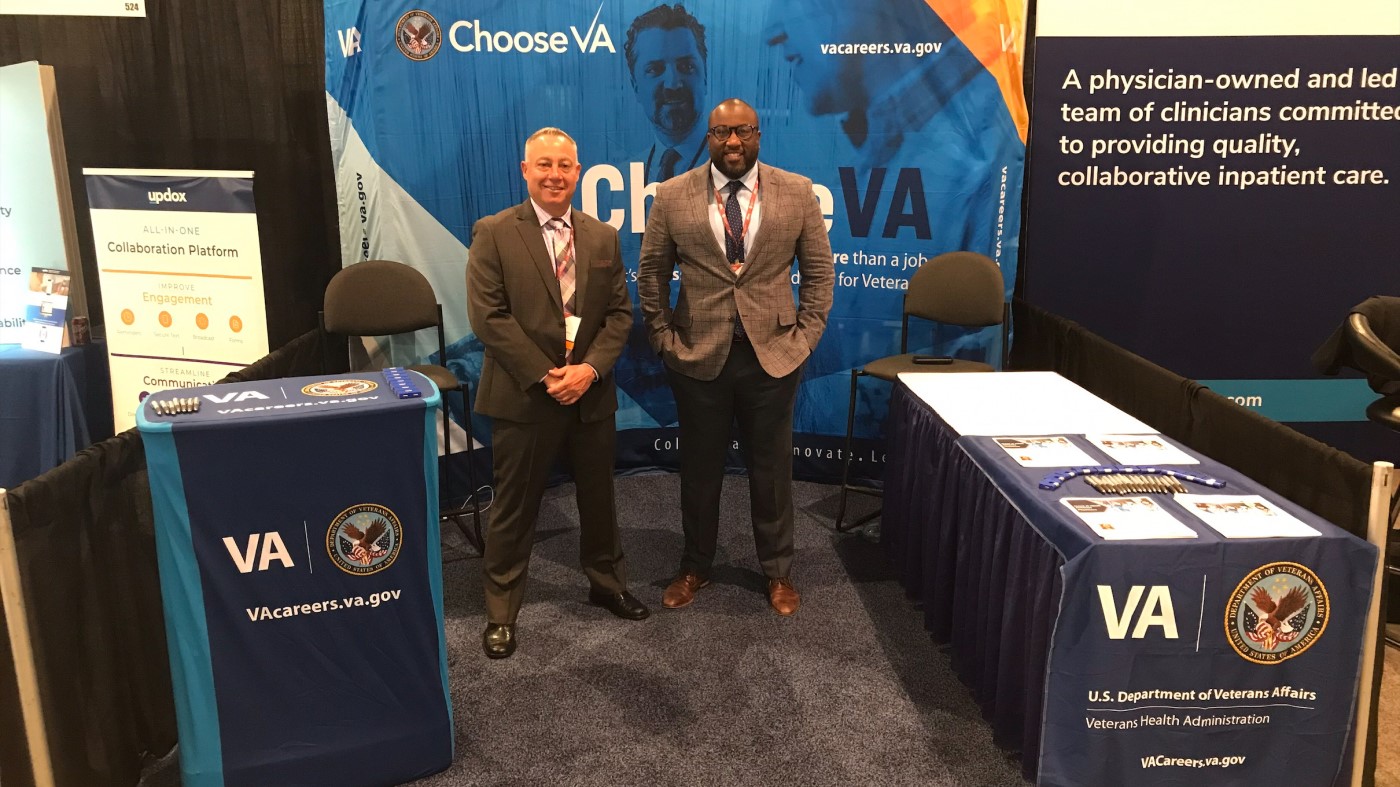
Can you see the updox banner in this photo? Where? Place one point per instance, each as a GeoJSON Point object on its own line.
{"type": "Point", "coordinates": [908, 116]}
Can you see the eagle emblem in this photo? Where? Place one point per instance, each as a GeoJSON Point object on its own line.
{"type": "Point", "coordinates": [364, 546]}
{"type": "Point", "coordinates": [364, 539]}
{"type": "Point", "coordinates": [1276, 612]}
{"type": "Point", "coordinates": [418, 35]}
{"type": "Point", "coordinates": [339, 387]}
{"type": "Point", "coordinates": [1278, 620]}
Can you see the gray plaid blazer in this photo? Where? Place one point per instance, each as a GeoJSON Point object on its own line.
{"type": "Point", "coordinates": [695, 337]}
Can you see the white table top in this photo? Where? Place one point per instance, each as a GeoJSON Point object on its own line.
{"type": "Point", "coordinates": [1019, 403]}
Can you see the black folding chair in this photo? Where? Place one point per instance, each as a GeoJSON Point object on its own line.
{"type": "Point", "coordinates": [384, 298]}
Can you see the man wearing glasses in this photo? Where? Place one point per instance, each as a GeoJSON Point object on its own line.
{"type": "Point", "coordinates": [547, 297]}
{"type": "Point", "coordinates": [735, 341]}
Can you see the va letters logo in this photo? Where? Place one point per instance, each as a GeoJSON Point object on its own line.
{"type": "Point", "coordinates": [349, 41]}
{"type": "Point", "coordinates": [1155, 611]}
{"type": "Point", "coordinates": [260, 550]}
{"type": "Point", "coordinates": [234, 396]}
{"type": "Point", "coordinates": [169, 195]}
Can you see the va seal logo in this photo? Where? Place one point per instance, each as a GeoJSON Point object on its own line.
{"type": "Point", "coordinates": [1276, 612]}
{"type": "Point", "coordinates": [418, 35]}
{"type": "Point", "coordinates": [364, 539]}
{"type": "Point", "coordinates": [340, 388]}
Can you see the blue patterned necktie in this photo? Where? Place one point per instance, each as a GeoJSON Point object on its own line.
{"type": "Point", "coordinates": [734, 239]}
{"type": "Point", "coordinates": [669, 160]}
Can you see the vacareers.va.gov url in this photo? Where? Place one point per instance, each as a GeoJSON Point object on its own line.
{"type": "Point", "coordinates": [256, 614]}
{"type": "Point", "coordinates": [1165, 761]}
{"type": "Point", "coordinates": [915, 48]}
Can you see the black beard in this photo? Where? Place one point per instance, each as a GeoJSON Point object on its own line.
{"type": "Point", "coordinates": [734, 171]}
{"type": "Point", "coordinates": [677, 120]}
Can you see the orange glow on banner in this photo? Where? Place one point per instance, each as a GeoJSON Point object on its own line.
{"type": "Point", "coordinates": [994, 31]}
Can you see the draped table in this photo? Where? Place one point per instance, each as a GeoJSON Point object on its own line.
{"type": "Point", "coordinates": [1112, 662]}
{"type": "Point", "coordinates": [51, 407]}
{"type": "Point", "coordinates": [301, 574]}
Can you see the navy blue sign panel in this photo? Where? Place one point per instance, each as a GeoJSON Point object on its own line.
{"type": "Point", "coordinates": [1218, 204]}
{"type": "Point", "coordinates": [1240, 275]}
{"type": "Point", "coordinates": [1194, 660]}
{"type": "Point", "coordinates": [297, 529]}
{"type": "Point", "coordinates": [191, 193]}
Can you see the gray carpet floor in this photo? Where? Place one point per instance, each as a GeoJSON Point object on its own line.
{"type": "Point", "coordinates": [848, 691]}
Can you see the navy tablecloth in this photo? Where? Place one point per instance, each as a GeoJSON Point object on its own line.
{"type": "Point", "coordinates": [1033, 605]}
{"type": "Point", "coordinates": [301, 572]}
{"type": "Point", "coordinates": [965, 553]}
{"type": "Point", "coordinates": [51, 407]}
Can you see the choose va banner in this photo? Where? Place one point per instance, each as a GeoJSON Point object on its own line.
{"type": "Point", "coordinates": [907, 115]}
{"type": "Point", "coordinates": [181, 274]}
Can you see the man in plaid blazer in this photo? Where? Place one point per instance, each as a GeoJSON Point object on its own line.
{"type": "Point", "coordinates": [735, 341]}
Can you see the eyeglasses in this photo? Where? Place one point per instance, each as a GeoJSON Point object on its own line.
{"type": "Point", "coordinates": [746, 131]}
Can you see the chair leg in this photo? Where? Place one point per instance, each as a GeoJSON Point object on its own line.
{"type": "Point", "coordinates": [480, 542]}
{"type": "Point", "coordinates": [472, 535]}
{"type": "Point", "coordinates": [846, 457]}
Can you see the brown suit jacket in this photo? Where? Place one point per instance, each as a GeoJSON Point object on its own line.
{"type": "Point", "coordinates": [514, 306]}
{"type": "Point", "coordinates": [695, 337]}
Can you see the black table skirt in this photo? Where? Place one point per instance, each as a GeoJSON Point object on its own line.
{"type": "Point", "coordinates": [989, 584]}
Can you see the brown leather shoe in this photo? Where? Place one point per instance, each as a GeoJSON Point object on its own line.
{"type": "Point", "coordinates": [782, 596]}
{"type": "Point", "coordinates": [682, 589]}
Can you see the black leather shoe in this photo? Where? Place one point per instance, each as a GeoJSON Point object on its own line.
{"type": "Point", "coordinates": [623, 604]}
{"type": "Point", "coordinates": [498, 640]}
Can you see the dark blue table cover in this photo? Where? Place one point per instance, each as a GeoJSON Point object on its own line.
{"type": "Point", "coordinates": [297, 660]}
{"type": "Point", "coordinates": [1012, 579]}
{"type": "Point", "coordinates": [965, 554]}
{"type": "Point", "coordinates": [46, 401]}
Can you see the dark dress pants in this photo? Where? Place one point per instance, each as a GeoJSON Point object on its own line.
{"type": "Point", "coordinates": [523, 456]}
{"type": "Point", "coordinates": [762, 407]}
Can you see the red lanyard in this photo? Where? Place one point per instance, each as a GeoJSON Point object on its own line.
{"type": "Point", "coordinates": [724, 220]}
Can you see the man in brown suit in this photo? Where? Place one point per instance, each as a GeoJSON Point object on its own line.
{"type": "Point", "coordinates": [735, 342]}
{"type": "Point", "coordinates": [546, 295]}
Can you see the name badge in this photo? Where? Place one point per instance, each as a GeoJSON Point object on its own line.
{"type": "Point", "coordinates": [570, 331]}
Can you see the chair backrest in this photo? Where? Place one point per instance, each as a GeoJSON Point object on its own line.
{"type": "Point", "coordinates": [960, 288]}
{"type": "Point", "coordinates": [379, 298]}
{"type": "Point", "coordinates": [1372, 355]}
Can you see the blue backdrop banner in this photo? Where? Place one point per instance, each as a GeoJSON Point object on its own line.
{"type": "Point", "coordinates": [907, 115]}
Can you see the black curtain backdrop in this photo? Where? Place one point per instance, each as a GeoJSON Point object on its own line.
{"type": "Point", "coordinates": [204, 84]}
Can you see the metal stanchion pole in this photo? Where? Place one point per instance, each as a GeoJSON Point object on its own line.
{"type": "Point", "coordinates": [1383, 483]}
{"type": "Point", "coordinates": [22, 651]}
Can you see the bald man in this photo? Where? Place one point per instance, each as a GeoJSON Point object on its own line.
{"type": "Point", "coordinates": [735, 342]}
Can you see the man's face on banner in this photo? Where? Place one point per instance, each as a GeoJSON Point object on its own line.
{"type": "Point", "coordinates": [734, 156]}
{"type": "Point", "coordinates": [831, 83]}
{"type": "Point", "coordinates": [551, 172]}
{"type": "Point", "coordinates": [670, 80]}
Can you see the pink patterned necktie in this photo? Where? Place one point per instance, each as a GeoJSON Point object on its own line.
{"type": "Point", "coordinates": [563, 261]}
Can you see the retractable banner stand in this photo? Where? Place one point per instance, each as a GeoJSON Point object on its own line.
{"type": "Point", "coordinates": [907, 116]}
{"type": "Point", "coordinates": [1214, 186]}
{"type": "Point", "coordinates": [181, 276]}
{"type": "Point", "coordinates": [37, 237]}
